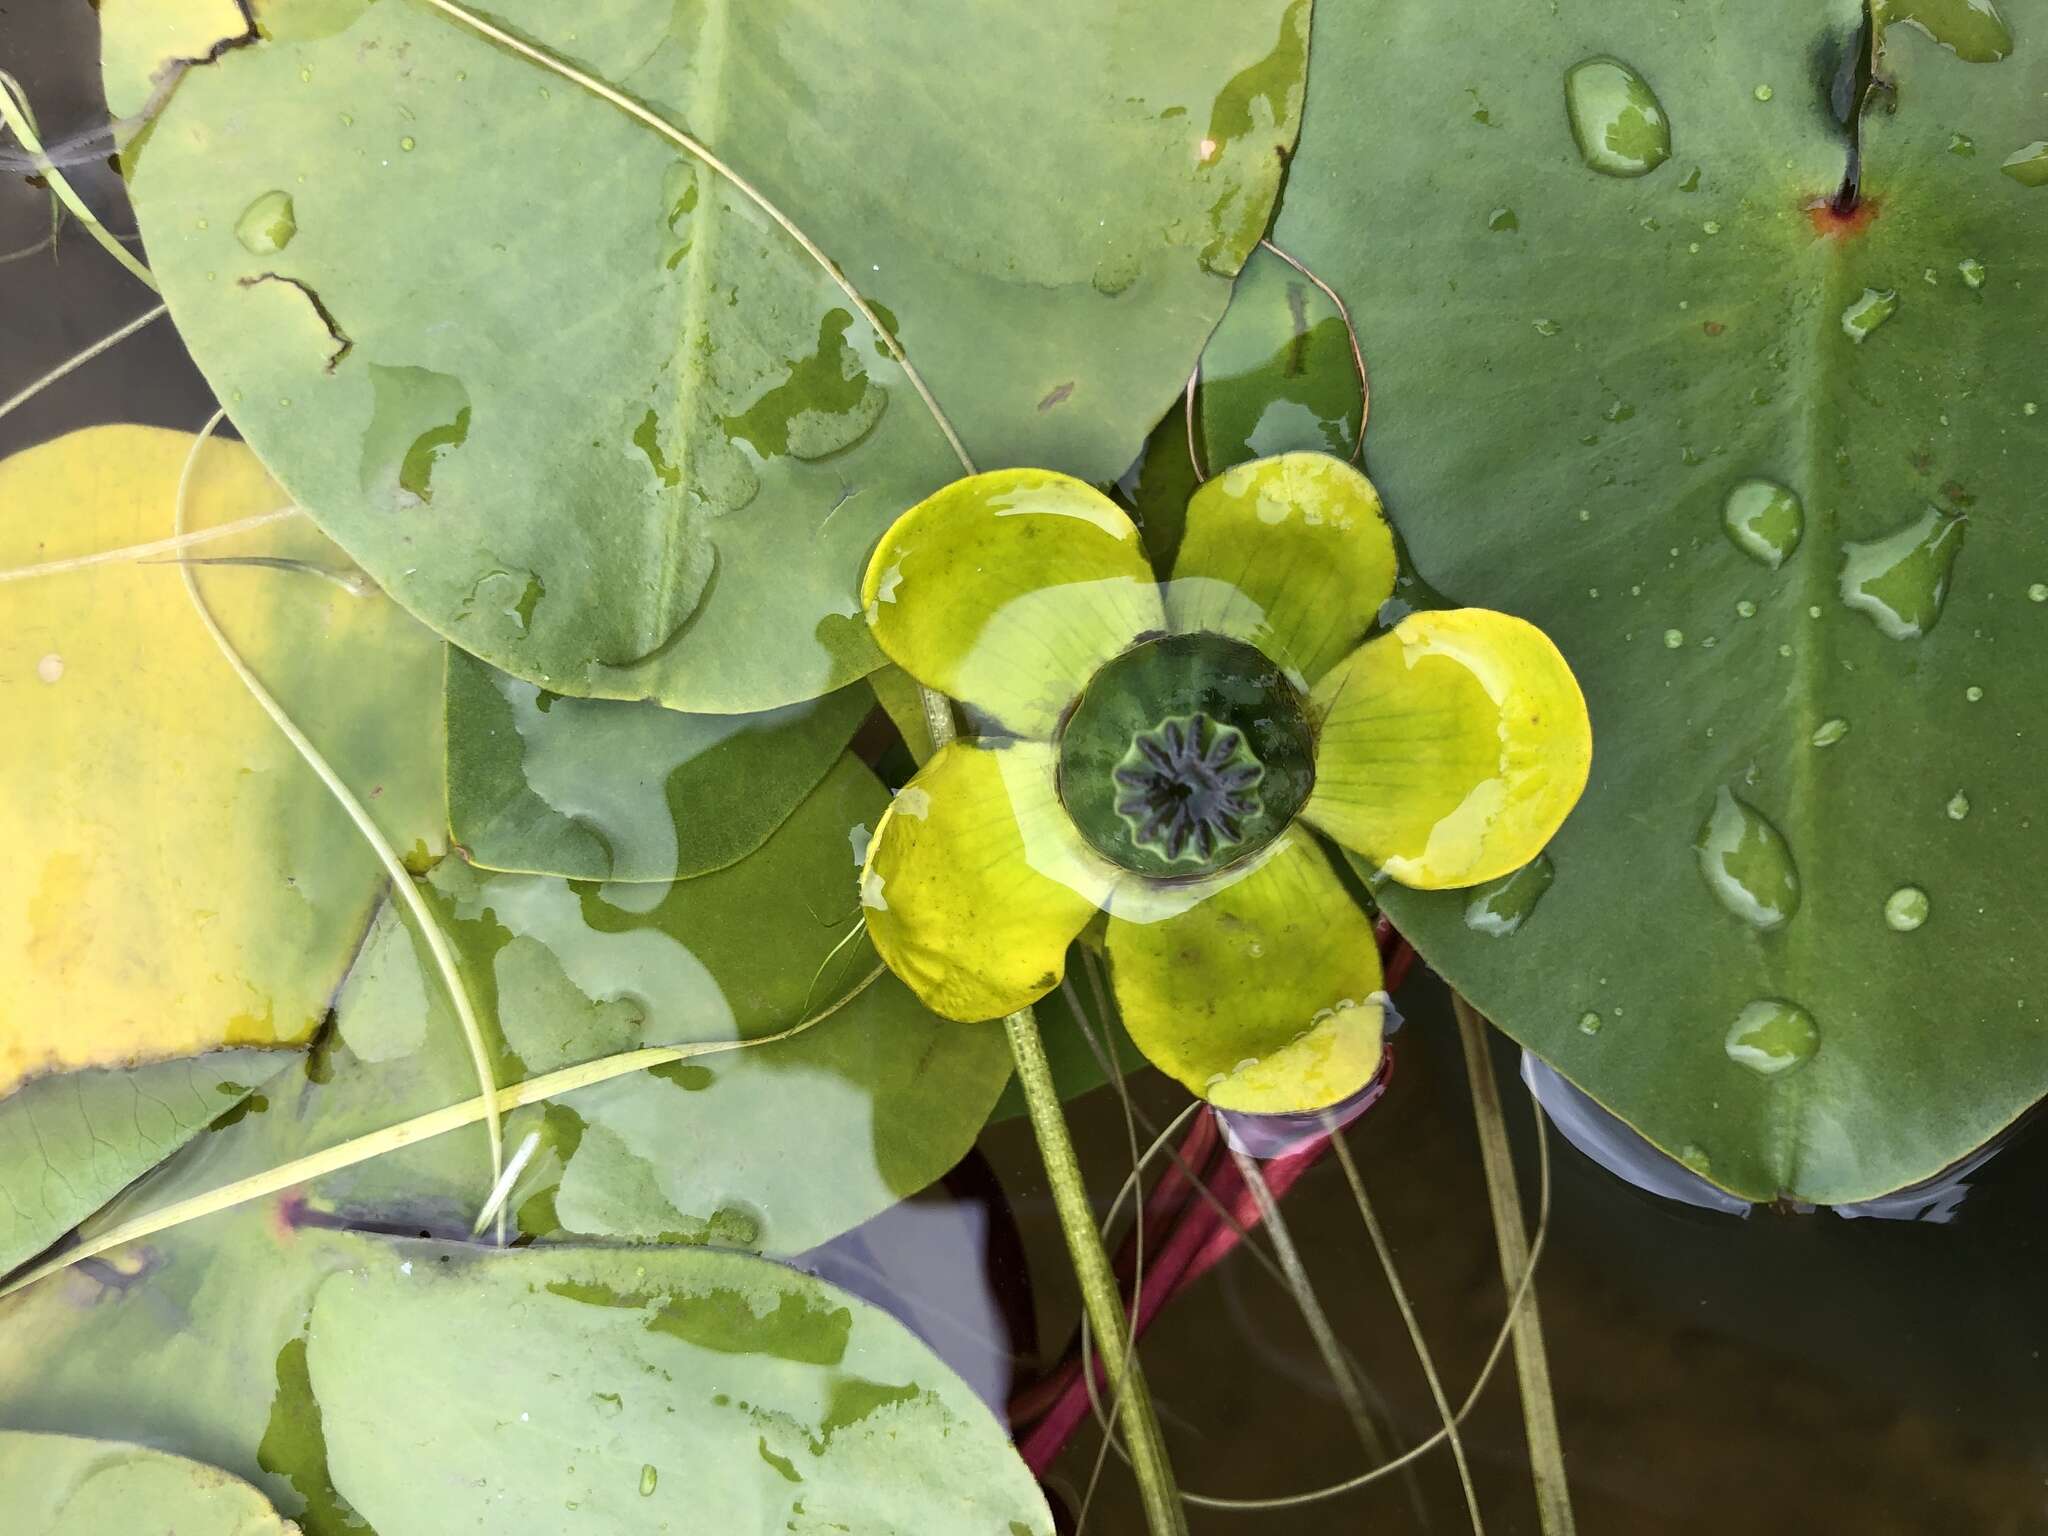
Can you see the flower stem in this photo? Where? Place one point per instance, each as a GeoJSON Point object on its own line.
{"type": "Point", "coordinates": [1164, 1515]}
{"type": "Point", "coordinates": [1100, 1298]}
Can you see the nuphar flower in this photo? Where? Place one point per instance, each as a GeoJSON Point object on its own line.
{"type": "Point", "coordinates": [1166, 754]}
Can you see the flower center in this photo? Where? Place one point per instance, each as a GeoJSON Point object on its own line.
{"type": "Point", "coordinates": [1185, 754]}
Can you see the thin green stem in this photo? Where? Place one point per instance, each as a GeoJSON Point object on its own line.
{"type": "Point", "coordinates": [1532, 1364]}
{"type": "Point", "coordinates": [14, 112]}
{"type": "Point", "coordinates": [1100, 1299]}
{"type": "Point", "coordinates": [22, 396]}
{"type": "Point", "coordinates": [1164, 1515]}
{"type": "Point", "coordinates": [1385, 1251]}
{"type": "Point", "coordinates": [144, 552]}
{"type": "Point", "coordinates": [408, 1133]}
{"type": "Point", "coordinates": [401, 879]}
{"type": "Point", "coordinates": [1311, 1308]}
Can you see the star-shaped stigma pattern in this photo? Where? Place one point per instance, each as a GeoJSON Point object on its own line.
{"type": "Point", "coordinates": [1186, 787]}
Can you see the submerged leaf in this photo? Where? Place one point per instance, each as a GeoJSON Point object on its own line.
{"type": "Point", "coordinates": [612, 789]}
{"type": "Point", "coordinates": [776, 1148]}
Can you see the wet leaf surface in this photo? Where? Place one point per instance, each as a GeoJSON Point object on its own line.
{"type": "Point", "coordinates": [393, 1386]}
{"type": "Point", "coordinates": [581, 406]}
{"type": "Point", "coordinates": [1561, 411]}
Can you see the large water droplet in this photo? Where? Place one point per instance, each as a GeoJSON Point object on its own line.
{"type": "Point", "coordinates": [2028, 166]}
{"type": "Point", "coordinates": [1901, 579]}
{"type": "Point", "coordinates": [1747, 863]}
{"type": "Point", "coordinates": [1906, 908]}
{"type": "Point", "coordinates": [1958, 806]}
{"type": "Point", "coordinates": [1971, 29]}
{"type": "Point", "coordinates": [1620, 127]}
{"type": "Point", "coordinates": [650, 1478]}
{"type": "Point", "coordinates": [1771, 1036]}
{"type": "Point", "coordinates": [1868, 311]}
{"type": "Point", "coordinates": [1499, 908]}
{"type": "Point", "coordinates": [1590, 1022]}
{"type": "Point", "coordinates": [1764, 520]}
{"type": "Point", "coordinates": [267, 225]}
{"type": "Point", "coordinates": [1830, 731]}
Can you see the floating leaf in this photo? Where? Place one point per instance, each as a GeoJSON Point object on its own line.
{"type": "Point", "coordinates": [1582, 479]}
{"type": "Point", "coordinates": [652, 1389]}
{"type": "Point", "coordinates": [183, 882]}
{"type": "Point", "coordinates": [775, 1148]}
{"type": "Point", "coordinates": [580, 405]}
{"type": "Point", "coordinates": [607, 789]}
{"type": "Point", "coordinates": [63, 1485]}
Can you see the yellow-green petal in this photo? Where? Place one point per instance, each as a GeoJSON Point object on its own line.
{"type": "Point", "coordinates": [976, 882]}
{"type": "Point", "coordinates": [1260, 996]}
{"type": "Point", "coordinates": [1291, 554]}
{"type": "Point", "coordinates": [1007, 590]}
{"type": "Point", "coordinates": [1452, 747]}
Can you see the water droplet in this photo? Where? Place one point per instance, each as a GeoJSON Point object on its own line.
{"type": "Point", "coordinates": [2038, 592]}
{"type": "Point", "coordinates": [1828, 732]}
{"type": "Point", "coordinates": [1673, 639]}
{"type": "Point", "coordinates": [1620, 127]}
{"type": "Point", "coordinates": [348, 120]}
{"type": "Point", "coordinates": [1973, 693]}
{"type": "Point", "coordinates": [1867, 313]}
{"type": "Point", "coordinates": [648, 1478]}
{"type": "Point", "coordinates": [1747, 864]}
{"type": "Point", "coordinates": [1690, 184]}
{"type": "Point", "coordinates": [305, 75]}
{"type": "Point", "coordinates": [1500, 907]}
{"type": "Point", "coordinates": [1545, 326]}
{"type": "Point", "coordinates": [2029, 166]}
{"type": "Point", "coordinates": [1961, 144]}
{"type": "Point", "coordinates": [1972, 270]}
{"type": "Point", "coordinates": [267, 225]}
{"type": "Point", "coordinates": [1763, 93]}
{"type": "Point", "coordinates": [1771, 1036]}
{"type": "Point", "coordinates": [1746, 608]}
{"type": "Point", "coordinates": [1971, 29]}
{"type": "Point", "coordinates": [1590, 1022]}
{"type": "Point", "coordinates": [1695, 1157]}
{"type": "Point", "coordinates": [407, 144]}
{"type": "Point", "coordinates": [1901, 580]}
{"type": "Point", "coordinates": [1906, 908]}
{"type": "Point", "coordinates": [1958, 806]}
{"type": "Point", "coordinates": [1711, 227]}
{"type": "Point", "coordinates": [1502, 220]}
{"type": "Point", "coordinates": [1764, 520]}
{"type": "Point", "coordinates": [50, 668]}
{"type": "Point", "coordinates": [1784, 650]}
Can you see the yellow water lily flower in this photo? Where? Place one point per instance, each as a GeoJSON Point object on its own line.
{"type": "Point", "coordinates": [1167, 752]}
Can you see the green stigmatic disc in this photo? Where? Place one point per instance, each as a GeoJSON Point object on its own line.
{"type": "Point", "coordinates": [1185, 754]}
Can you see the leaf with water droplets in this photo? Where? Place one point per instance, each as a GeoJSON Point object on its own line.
{"type": "Point", "coordinates": [1770, 459]}
{"type": "Point", "coordinates": [503, 331]}
{"type": "Point", "coordinates": [544, 1381]}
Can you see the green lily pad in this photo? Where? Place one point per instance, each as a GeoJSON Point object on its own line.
{"type": "Point", "coordinates": [64, 1485]}
{"type": "Point", "coordinates": [583, 407]}
{"type": "Point", "coordinates": [642, 1390]}
{"type": "Point", "coordinates": [610, 789]}
{"type": "Point", "coordinates": [1560, 413]}
{"type": "Point", "coordinates": [776, 1148]}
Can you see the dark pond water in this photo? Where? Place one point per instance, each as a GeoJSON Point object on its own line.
{"type": "Point", "coordinates": [1779, 1372]}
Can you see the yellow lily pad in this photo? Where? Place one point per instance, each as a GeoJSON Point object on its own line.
{"type": "Point", "coordinates": [181, 880]}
